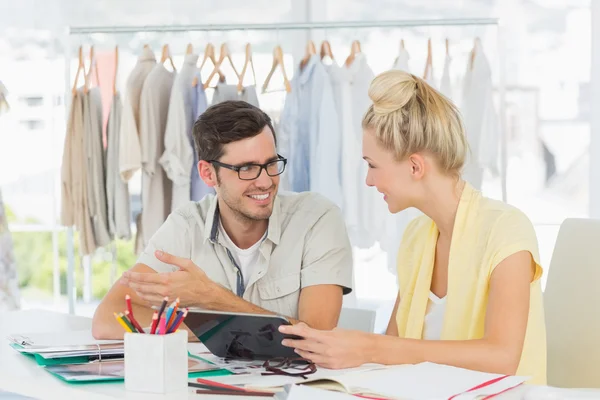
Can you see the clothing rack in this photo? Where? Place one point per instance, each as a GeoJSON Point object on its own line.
{"type": "Point", "coordinates": [307, 26]}
{"type": "Point", "coordinates": [75, 30]}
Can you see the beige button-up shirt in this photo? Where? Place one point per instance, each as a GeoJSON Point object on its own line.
{"type": "Point", "coordinates": [156, 186]}
{"type": "Point", "coordinates": [306, 245]}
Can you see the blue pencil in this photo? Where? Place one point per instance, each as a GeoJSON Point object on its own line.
{"type": "Point", "coordinates": [169, 312]}
{"type": "Point", "coordinates": [176, 321]}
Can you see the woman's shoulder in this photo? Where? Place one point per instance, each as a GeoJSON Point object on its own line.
{"type": "Point", "coordinates": [501, 216]}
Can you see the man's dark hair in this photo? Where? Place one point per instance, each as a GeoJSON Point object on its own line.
{"type": "Point", "coordinates": [227, 122]}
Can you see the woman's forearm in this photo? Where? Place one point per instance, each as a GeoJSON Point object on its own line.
{"type": "Point", "coordinates": [479, 355]}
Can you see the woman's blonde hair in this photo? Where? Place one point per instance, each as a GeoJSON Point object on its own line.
{"type": "Point", "coordinates": [409, 116]}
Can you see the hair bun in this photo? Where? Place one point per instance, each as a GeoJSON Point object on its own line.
{"type": "Point", "coordinates": [391, 91]}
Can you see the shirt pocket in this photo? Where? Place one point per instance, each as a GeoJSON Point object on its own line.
{"type": "Point", "coordinates": [281, 294]}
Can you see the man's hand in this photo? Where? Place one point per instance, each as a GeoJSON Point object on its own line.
{"type": "Point", "coordinates": [189, 283]}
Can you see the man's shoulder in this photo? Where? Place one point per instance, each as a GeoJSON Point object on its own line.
{"type": "Point", "coordinates": [193, 212]}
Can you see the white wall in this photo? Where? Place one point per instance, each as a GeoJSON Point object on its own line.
{"type": "Point", "coordinates": [595, 107]}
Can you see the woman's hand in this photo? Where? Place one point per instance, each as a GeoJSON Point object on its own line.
{"type": "Point", "coordinates": [330, 349]}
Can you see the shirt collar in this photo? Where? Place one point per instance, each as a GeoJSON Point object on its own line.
{"type": "Point", "coordinates": [306, 72]}
{"type": "Point", "coordinates": [190, 59]}
{"type": "Point", "coordinates": [211, 225]}
{"type": "Point", "coordinates": [147, 55]}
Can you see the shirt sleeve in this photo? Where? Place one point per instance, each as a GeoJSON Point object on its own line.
{"type": "Point", "coordinates": [173, 238]}
{"type": "Point", "coordinates": [148, 129]}
{"type": "Point", "coordinates": [512, 233]}
{"type": "Point", "coordinates": [130, 154]}
{"type": "Point", "coordinates": [327, 257]}
{"type": "Point", "coordinates": [178, 157]}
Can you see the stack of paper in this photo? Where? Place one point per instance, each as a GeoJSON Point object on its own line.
{"type": "Point", "coordinates": [426, 381]}
{"type": "Point", "coordinates": [66, 345]}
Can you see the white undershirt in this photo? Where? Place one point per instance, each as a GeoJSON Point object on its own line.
{"type": "Point", "coordinates": [434, 317]}
{"type": "Point", "coordinates": [246, 259]}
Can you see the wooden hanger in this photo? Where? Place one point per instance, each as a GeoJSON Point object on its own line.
{"type": "Point", "coordinates": [310, 51]}
{"type": "Point", "coordinates": [88, 76]}
{"type": "Point", "coordinates": [402, 44]}
{"type": "Point", "coordinates": [326, 50]}
{"type": "Point", "coordinates": [116, 70]}
{"type": "Point", "coordinates": [189, 49]}
{"type": "Point", "coordinates": [354, 50]}
{"type": "Point", "coordinates": [80, 67]}
{"type": "Point", "coordinates": [224, 55]}
{"type": "Point", "coordinates": [447, 47]}
{"type": "Point", "coordinates": [429, 61]}
{"type": "Point", "coordinates": [209, 54]}
{"type": "Point", "coordinates": [474, 52]}
{"type": "Point", "coordinates": [247, 62]}
{"type": "Point", "coordinates": [166, 55]}
{"type": "Point", "coordinates": [277, 61]}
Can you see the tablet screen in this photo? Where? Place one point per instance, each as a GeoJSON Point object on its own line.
{"type": "Point", "coordinates": [239, 336]}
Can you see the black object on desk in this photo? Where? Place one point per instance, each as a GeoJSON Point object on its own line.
{"type": "Point", "coordinates": [240, 335]}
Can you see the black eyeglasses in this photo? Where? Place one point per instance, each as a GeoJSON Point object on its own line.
{"type": "Point", "coordinates": [290, 367]}
{"type": "Point", "coordinates": [249, 172]}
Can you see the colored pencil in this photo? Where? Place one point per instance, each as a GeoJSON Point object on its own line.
{"type": "Point", "coordinates": [175, 322]}
{"type": "Point", "coordinates": [137, 326]}
{"type": "Point", "coordinates": [162, 325]}
{"type": "Point", "coordinates": [220, 385]}
{"type": "Point", "coordinates": [173, 314]}
{"type": "Point", "coordinates": [128, 303]}
{"type": "Point", "coordinates": [123, 324]}
{"type": "Point", "coordinates": [233, 393]}
{"type": "Point", "coordinates": [129, 324]}
{"type": "Point", "coordinates": [154, 322]}
{"type": "Point", "coordinates": [178, 323]}
{"type": "Point", "coordinates": [162, 307]}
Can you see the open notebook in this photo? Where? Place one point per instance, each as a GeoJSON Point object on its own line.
{"type": "Point", "coordinates": [425, 381]}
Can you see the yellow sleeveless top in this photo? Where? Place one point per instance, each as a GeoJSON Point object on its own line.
{"type": "Point", "coordinates": [485, 232]}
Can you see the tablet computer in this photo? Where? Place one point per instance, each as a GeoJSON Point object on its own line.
{"type": "Point", "coordinates": [240, 335]}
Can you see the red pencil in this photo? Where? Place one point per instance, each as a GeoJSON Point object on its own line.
{"type": "Point", "coordinates": [174, 328]}
{"type": "Point", "coordinates": [134, 322]}
{"type": "Point", "coordinates": [154, 322]}
{"type": "Point", "coordinates": [128, 303]}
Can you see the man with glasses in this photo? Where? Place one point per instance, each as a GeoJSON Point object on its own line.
{"type": "Point", "coordinates": [246, 249]}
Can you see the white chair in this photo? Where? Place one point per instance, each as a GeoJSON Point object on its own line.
{"type": "Point", "coordinates": [357, 319]}
{"type": "Point", "coordinates": [572, 306]}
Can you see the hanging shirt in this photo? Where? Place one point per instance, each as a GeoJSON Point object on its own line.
{"type": "Point", "coordinates": [130, 153]}
{"type": "Point", "coordinates": [74, 204]}
{"type": "Point", "coordinates": [96, 172]}
{"type": "Point", "coordinates": [364, 210]}
{"type": "Point", "coordinates": [199, 189]}
{"type": "Point", "coordinates": [156, 186]}
{"type": "Point", "coordinates": [310, 120]}
{"type": "Point", "coordinates": [178, 159]}
{"type": "Point", "coordinates": [429, 78]}
{"type": "Point", "coordinates": [3, 102]}
{"type": "Point", "coordinates": [401, 61]}
{"type": "Point", "coordinates": [445, 83]}
{"type": "Point", "coordinates": [224, 92]}
{"type": "Point", "coordinates": [480, 120]}
{"type": "Point", "coordinates": [117, 191]}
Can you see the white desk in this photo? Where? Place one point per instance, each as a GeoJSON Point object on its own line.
{"type": "Point", "coordinates": [22, 375]}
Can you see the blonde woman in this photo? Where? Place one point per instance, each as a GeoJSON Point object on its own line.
{"type": "Point", "coordinates": [468, 269]}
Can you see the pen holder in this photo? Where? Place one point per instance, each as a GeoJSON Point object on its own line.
{"type": "Point", "coordinates": [156, 363]}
